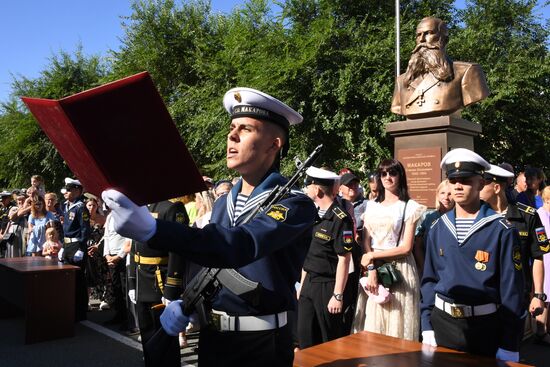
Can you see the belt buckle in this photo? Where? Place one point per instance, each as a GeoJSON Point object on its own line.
{"type": "Point", "coordinates": [215, 321]}
{"type": "Point", "coordinates": [457, 312]}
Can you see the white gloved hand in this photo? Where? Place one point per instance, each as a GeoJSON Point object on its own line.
{"type": "Point", "coordinates": [428, 338]}
{"type": "Point", "coordinates": [132, 296]}
{"type": "Point", "coordinates": [60, 254]}
{"type": "Point", "coordinates": [165, 301]}
{"type": "Point", "coordinates": [173, 320]}
{"type": "Point", "coordinates": [130, 220]}
{"type": "Point", "coordinates": [78, 256]}
{"type": "Point", "coordinates": [507, 355]}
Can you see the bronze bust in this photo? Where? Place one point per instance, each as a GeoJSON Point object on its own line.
{"type": "Point", "coordinates": [433, 84]}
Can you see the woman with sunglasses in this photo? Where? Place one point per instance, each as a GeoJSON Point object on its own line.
{"type": "Point", "coordinates": [389, 225]}
{"type": "Point", "coordinates": [37, 225]}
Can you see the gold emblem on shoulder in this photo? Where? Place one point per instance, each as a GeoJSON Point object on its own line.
{"type": "Point", "coordinates": [277, 212]}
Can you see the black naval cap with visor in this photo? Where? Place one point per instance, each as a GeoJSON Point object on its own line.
{"type": "Point", "coordinates": [248, 102]}
{"type": "Point", "coordinates": [461, 162]}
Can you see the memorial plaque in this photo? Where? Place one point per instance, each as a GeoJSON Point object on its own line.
{"type": "Point", "coordinates": [423, 172]}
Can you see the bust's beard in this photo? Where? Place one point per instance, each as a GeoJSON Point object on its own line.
{"type": "Point", "coordinates": [429, 59]}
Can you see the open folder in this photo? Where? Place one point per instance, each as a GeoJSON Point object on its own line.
{"type": "Point", "coordinates": [120, 135]}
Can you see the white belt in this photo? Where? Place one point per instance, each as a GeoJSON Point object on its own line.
{"type": "Point", "coordinates": [70, 239]}
{"type": "Point", "coordinates": [224, 322]}
{"type": "Point", "coordinates": [461, 311]}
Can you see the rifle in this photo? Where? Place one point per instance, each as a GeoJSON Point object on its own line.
{"type": "Point", "coordinates": [207, 283]}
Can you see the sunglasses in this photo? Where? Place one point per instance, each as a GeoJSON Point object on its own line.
{"type": "Point", "coordinates": [392, 172]}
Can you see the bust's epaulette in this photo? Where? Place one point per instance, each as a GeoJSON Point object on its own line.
{"type": "Point", "coordinates": [339, 212]}
{"type": "Point", "coordinates": [526, 208]}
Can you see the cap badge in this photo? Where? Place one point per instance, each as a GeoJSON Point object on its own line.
{"type": "Point", "coordinates": [457, 164]}
{"type": "Point", "coordinates": [237, 97]}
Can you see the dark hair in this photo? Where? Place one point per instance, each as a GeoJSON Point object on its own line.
{"type": "Point", "coordinates": [403, 189]}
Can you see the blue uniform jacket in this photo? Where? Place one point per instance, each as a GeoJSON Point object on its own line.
{"type": "Point", "coordinates": [269, 249]}
{"type": "Point", "coordinates": [450, 270]}
{"type": "Point", "coordinates": [76, 222]}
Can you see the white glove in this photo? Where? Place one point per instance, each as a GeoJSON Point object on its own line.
{"type": "Point", "coordinates": [507, 355]}
{"type": "Point", "coordinates": [173, 320]}
{"type": "Point", "coordinates": [130, 220]}
{"type": "Point", "coordinates": [132, 296]}
{"type": "Point", "coordinates": [78, 256]}
{"type": "Point", "coordinates": [428, 338]}
{"type": "Point", "coordinates": [165, 301]}
{"type": "Point", "coordinates": [60, 254]}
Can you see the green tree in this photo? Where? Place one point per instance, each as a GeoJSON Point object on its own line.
{"type": "Point", "coordinates": [24, 148]}
{"type": "Point", "coordinates": [511, 44]}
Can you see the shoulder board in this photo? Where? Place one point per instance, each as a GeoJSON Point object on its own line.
{"type": "Point", "coordinates": [506, 223]}
{"type": "Point", "coordinates": [526, 208]}
{"type": "Point", "coordinates": [339, 212]}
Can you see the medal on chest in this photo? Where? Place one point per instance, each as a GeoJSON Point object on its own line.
{"type": "Point", "coordinates": [482, 258]}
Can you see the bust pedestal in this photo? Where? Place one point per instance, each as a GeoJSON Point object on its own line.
{"type": "Point", "coordinates": [421, 143]}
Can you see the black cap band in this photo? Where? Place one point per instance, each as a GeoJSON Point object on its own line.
{"type": "Point", "coordinates": [491, 177]}
{"type": "Point", "coordinates": [318, 181]}
{"type": "Point", "coordinates": [464, 169]}
{"type": "Point", "coordinates": [261, 114]}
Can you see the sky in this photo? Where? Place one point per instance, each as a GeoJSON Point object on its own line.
{"type": "Point", "coordinates": [31, 31]}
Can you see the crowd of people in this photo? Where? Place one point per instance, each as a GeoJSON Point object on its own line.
{"type": "Point", "coordinates": [366, 255]}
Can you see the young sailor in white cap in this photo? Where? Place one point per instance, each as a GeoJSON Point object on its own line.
{"type": "Point", "coordinates": [76, 231]}
{"type": "Point", "coordinates": [322, 298]}
{"type": "Point", "coordinates": [472, 287]}
{"type": "Point", "coordinates": [269, 249]}
{"type": "Point", "coordinates": [533, 238]}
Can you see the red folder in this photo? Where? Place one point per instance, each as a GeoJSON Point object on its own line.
{"type": "Point", "coordinates": [120, 135]}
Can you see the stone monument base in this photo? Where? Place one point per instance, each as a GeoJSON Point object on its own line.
{"type": "Point", "coordinates": [421, 143]}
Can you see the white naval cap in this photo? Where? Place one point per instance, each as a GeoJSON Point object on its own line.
{"type": "Point", "coordinates": [320, 176]}
{"type": "Point", "coordinates": [72, 181]}
{"type": "Point", "coordinates": [248, 102]}
{"type": "Point", "coordinates": [5, 193]}
{"type": "Point", "coordinates": [496, 173]}
{"type": "Point", "coordinates": [461, 162]}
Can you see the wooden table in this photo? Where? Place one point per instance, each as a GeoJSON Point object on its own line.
{"type": "Point", "coordinates": [44, 290]}
{"type": "Point", "coordinates": [366, 349]}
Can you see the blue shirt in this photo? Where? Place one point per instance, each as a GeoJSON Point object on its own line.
{"type": "Point", "coordinates": [38, 234]}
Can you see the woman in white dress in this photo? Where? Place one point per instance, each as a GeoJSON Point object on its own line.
{"type": "Point", "coordinates": [388, 236]}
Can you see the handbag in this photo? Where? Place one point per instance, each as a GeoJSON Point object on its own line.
{"type": "Point", "coordinates": [387, 273]}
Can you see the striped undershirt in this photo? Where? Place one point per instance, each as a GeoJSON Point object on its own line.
{"type": "Point", "coordinates": [239, 205]}
{"type": "Point", "coordinates": [321, 212]}
{"type": "Point", "coordinates": [463, 225]}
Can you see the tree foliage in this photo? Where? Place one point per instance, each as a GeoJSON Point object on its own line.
{"type": "Point", "coordinates": [24, 148]}
{"type": "Point", "coordinates": [331, 60]}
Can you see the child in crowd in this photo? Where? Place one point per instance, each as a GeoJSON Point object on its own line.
{"type": "Point", "coordinates": [52, 245]}
{"type": "Point", "coordinates": [37, 182]}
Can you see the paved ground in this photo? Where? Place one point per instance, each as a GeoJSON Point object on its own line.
{"type": "Point", "coordinates": [95, 345]}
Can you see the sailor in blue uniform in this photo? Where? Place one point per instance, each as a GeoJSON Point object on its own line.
{"type": "Point", "coordinates": [472, 288]}
{"type": "Point", "coordinates": [76, 231]}
{"type": "Point", "coordinates": [269, 249]}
